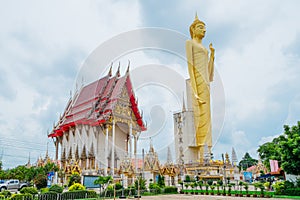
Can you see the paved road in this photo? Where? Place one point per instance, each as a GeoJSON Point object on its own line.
{"type": "Point", "coordinates": [199, 197]}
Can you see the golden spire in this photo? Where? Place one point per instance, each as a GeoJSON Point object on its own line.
{"type": "Point", "coordinates": [196, 16]}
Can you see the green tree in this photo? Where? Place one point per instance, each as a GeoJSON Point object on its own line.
{"type": "Point", "coordinates": [247, 161]}
{"type": "Point", "coordinates": [40, 181]}
{"type": "Point", "coordinates": [103, 181]}
{"type": "Point", "coordinates": [270, 151]}
{"type": "Point", "coordinates": [285, 149]}
{"type": "Point", "coordinates": [289, 148]}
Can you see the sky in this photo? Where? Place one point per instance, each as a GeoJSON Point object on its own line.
{"type": "Point", "coordinates": [48, 49]}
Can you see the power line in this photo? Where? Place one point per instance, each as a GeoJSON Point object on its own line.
{"type": "Point", "coordinates": [24, 147]}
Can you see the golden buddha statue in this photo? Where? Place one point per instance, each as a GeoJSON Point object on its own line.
{"type": "Point", "coordinates": [201, 71]}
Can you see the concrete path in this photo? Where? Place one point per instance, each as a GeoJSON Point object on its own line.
{"type": "Point", "coordinates": [200, 197]}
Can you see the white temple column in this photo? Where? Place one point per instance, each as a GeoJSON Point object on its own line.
{"type": "Point", "coordinates": [130, 140]}
{"type": "Point", "coordinates": [113, 149]}
{"type": "Point", "coordinates": [106, 152]}
{"type": "Point", "coordinates": [135, 151]}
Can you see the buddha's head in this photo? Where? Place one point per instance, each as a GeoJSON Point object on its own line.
{"type": "Point", "coordinates": [197, 28]}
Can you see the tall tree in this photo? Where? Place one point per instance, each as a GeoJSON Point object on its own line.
{"type": "Point", "coordinates": [247, 161]}
{"type": "Point", "coordinates": [270, 151]}
{"type": "Point", "coordinates": [285, 149]}
{"type": "Point", "coordinates": [289, 148]}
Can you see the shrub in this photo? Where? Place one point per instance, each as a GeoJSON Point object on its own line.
{"type": "Point", "coordinates": [29, 190]}
{"type": "Point", "coordinates": [279, 187]}
{"type": "Point", "coordinates": [187, 178]}
{"type": "Point", "coordinates": [74, 178]}
{"type": "Point", "coordinates": [6, 193]}
{"type": "Point", "coordinates": [56, 188]}
{"type": "Point", "coordinates": [76, 187]}
{"type": "Point", "coordinates": [2, 196]}
{"type": "Point", "coordinates": [170, 189]}
{"type": "Point", "coordinates": [210, 182]}
{"type": "Point", "coordinates": [129, 191]}
{"type": "Point", "coordinates": [44, 190]}
{"type": "Point", "coordinates": [292, 191]}
{"type": "Point", "coordinates": [267, 185]}
{"type": "Point", "coordinates": [40, 181]}
{"type": "Point", "coordinates": [154, 187]}
{"type": "Point", "coordinates": [21, 197]}
{"type": "Point", "coordinates": [118, 186]}
{"type": "Point", "coordinates": [298, 182]}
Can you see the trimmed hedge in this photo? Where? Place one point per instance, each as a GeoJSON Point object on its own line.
{"type": "Point", "coordinates": [292, 192]}
{"type": "Point", "coordinates": [170, 190]}
{"type": "Point", "coordinates": [69, 195]}
{"type": "Point", "coordinates": [21, 197]}
{"type": "Point", "coordinates": [79, 194]}
{"type": "Point", "coordinates": [29, 190]}
{"type": "Point", "coordinates": [48, 196]}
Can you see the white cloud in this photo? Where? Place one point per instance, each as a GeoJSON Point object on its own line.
{"type": "Point", "coordinates": [43, 44]}
{"type": "Point", "coordinates": [270, 138]}
{"type": "Point", "coordinates": [41, 47]}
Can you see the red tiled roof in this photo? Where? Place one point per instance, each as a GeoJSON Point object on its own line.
{"type": "Point", "coordinates": [94, 103]}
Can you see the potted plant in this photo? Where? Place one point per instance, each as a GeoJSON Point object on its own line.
{"type": "Point", "coordinates": [200, 184]}
{"type": "Point", "coordinates": [262, 189]}
{"type": "Point", "coordinates": [229, 189]}
{"type": "Point", "coordinates": [218, 189]}
{"type": "Point", "coordinates": [212, 187]}
{"type": "Point", "coordinates": [186, 187]}
{"type": "Point", "coordinates": [206, 189]}
{"type": "Point", "coordinates": [246, 186]}
{"type": "Point", "coordinates": [194, 185]}
{"type": "Point", "coordinates": [255, 188]}
{"type": "Point", "coordinates": [241, 188]}
{"type": "Point", "coordinates": [220, 183]}
{"type": "Point", "coordinates": [224, 190]}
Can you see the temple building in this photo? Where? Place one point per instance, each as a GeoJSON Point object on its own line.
{"type": "Point", "coordinates": [100, 126]}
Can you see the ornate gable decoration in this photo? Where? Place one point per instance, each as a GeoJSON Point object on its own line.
{"type": "Point", "coordinates": [151, 161]}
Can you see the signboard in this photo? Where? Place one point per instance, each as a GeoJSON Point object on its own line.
{"type": "Point", "coordinates": [88, 181]}
{"type": "Point", "coordinates": [248, 176]}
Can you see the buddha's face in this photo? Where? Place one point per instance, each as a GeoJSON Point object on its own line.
{"type": "Point", "coordinates": [199, 30]}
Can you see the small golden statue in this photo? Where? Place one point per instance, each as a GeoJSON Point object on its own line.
{"type": "Point", "coordinates": [201, 71]}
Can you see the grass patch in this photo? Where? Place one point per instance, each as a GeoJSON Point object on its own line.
{"type": "Point", "coordinates": [286, 197]}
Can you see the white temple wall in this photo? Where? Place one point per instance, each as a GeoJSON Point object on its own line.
{"type": "Point", "coordinates": [188, 131]}
{"type": "Point", "coordinates": [100, 153]}
{"type": "Point", "coordinates": [85, 135]}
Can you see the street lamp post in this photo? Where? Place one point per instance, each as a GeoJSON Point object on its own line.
{"type": "Point", "coordinates": [224, 168]}
{"type": "Point", "coordinates": [122, 196]}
